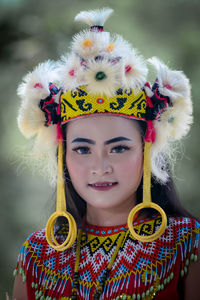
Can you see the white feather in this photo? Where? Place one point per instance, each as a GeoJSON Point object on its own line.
{"type": "Point", "coordinates": [175, 121]}
{"type": "Point", "coordinates": [179, 83]}
{"type": "Point", "coordinates": [159, 167]}
{"type": "Point", "coordinates": [96, 17]}
{"type": "Point", "coordinates": [30, 118]}
{"type": "Point", "coordinates": [122, 48]}
{"type": "Point", "coordinates": [136, 77]}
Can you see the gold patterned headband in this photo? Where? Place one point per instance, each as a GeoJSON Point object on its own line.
{"type": "Point", "coordinates": [125, 102]}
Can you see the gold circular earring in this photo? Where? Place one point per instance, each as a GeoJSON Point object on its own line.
{"type": "Point", "coordinates": [146, 202]}
{"type": "Point", "coordinates": [60, 211]}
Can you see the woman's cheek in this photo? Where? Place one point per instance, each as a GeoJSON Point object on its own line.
{"type": "Point", "coordinates": [132, 168]}
{"type": "Point", "coordinates": [75, 166]}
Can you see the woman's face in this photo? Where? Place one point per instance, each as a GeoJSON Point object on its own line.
{"type": "Point", "coordinates": [104, 158]}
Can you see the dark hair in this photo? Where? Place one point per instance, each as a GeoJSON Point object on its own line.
{"type": "Point", "coordinates": [164, 195]}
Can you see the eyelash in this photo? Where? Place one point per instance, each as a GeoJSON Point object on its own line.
{"type": "Point", "coordinates": [87, 148]}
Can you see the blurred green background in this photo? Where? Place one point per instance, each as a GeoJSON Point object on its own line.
{"type": "Point", "coordinates": [32, 31]}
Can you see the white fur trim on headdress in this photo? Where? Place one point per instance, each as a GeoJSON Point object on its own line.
{"type": "Point", "coordinates": [31, 119]}
{"type": "Point", "coordinates": [96, 17]}
{"type": "Point", "coordinates": [175, 121]}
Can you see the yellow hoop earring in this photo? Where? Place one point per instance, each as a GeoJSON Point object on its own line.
{"type": "Point", "coordinates": [60, 211]}
{"type": "Point", "coordinates": [147, 203]}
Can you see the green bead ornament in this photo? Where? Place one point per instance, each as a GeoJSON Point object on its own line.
{"type": "Point", "coordinates": [37, 296]}
{"type": "Point", "coordinates": [40, 293]}
{"type": "Point", "coordinates": [162, 286]}
{"type": "Point", "coordinates": [24, 278]}
{"type": "Point", "coordinates": [168, 279]}
{"type": "Point", "coordinates": [124, 297]}
{"type": "Point", "coordinates": [143, 295]}
{"type": "Point", "coordinates": [165, 281]}
{"type": "Point", "coordinates": [100, 76]}
{"type": "Point", "coordinates": [171, 275]}
{"type": "Point", "coordinates": [185, 270]}
{"type": "Point", "coordinates": [15, 272]}
{"type": "Point", "coordinates": [187, 262]}
{"type": "Point", "coordinates": [151, 289]}
{"type": "Point", "coordinates": [195, 258]}
{"type": "Point", "coordinates": [147, 293]}
{"type": "Point", "coordinates": [192, 256]}
{"type": "Point", "coordinates": [33, 285]}
{"type": "Point", "coordinates": [171, 120]}
{"type": "Point", "coordinates": [138, 297]}
{"type": "Point", "coordinates": [159, 287]}
{"type": "Point", "coordinates": [21, 271]}
{"type": "Point", "coordinates": [134, 296]}
{"type": "Point", "coordinates": [182, 273]}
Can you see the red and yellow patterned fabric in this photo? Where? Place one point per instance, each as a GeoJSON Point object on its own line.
{"type": "Point", "coordinates": [140, 271]}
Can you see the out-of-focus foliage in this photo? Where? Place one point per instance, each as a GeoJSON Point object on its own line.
{"type": "Point", "coordinates": [33, 31]}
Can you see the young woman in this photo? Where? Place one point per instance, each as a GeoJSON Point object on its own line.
{"type": "Point", "coordinates": [113, 132]}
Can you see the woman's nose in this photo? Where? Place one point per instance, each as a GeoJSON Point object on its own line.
{"type": "Point", "coordinates": [101, 166]}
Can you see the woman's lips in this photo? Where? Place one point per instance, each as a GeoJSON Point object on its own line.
{"type": "Point", "coordinates": [103, 186]}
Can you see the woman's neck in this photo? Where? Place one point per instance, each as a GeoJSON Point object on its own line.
{"type": "Point", "coordinates": [109, 216]}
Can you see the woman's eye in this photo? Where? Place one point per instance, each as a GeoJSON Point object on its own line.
{"type": "Point", "coordinates": [120, 149]}
{"type": "Point", "coordinates": [81, 150]}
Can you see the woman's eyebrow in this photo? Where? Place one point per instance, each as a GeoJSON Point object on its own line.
{"type": "Point", "coordinates": [83, 140]}
{"type": "Point", "coordinates": [117, 139]}
{"type": "Point", "coordinates": [89, 141]}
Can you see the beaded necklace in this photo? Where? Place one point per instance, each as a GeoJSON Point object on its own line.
{"type": "Point", "coordinates": [101, 284]}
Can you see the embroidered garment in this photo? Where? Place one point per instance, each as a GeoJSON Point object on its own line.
{"type": "Point", "coordinates": [140, 271]}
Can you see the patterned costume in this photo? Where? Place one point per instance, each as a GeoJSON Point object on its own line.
{"type": "Point", "coordinates": [104, 75]}
{"type": "Point", "coordinates": [140, 270]}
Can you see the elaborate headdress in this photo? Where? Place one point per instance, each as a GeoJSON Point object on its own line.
{"type": "Point", "coordinates": [103, 74]}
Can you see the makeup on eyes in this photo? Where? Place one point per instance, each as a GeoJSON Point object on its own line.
{"type": "Point", "coordinates": [117, 147]}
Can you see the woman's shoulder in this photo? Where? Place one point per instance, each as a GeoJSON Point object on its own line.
{"type": "Point", "coordinates": [183, 225]}
{"type": "Point", "coordinates": [36, 249]}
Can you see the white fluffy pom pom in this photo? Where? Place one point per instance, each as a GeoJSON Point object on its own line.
{"type": "Point", "coordinates": [69, 72]}
{"type": "Point", "coordinates": [90, 44]}
{"type": "Point", "coordinates": [35, 86]}
{"type": "Point", "coordinates": [175, 121]}
{"type": "Point", "coordinates": [135, 71]}
{"type": "Point", "coordinates": [103, 77]}
{"type": "Point", "coordinates": [173, 84]}
{"type": "Point", "coordinates": [94, 17]}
